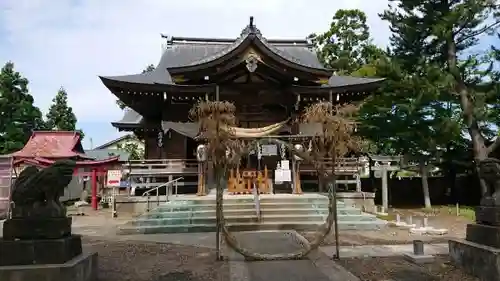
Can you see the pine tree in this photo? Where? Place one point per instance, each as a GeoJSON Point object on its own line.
{"type": "Point", "coordinates": [18, 115]}
{"type": "Point", "coordinates": [441, 33]}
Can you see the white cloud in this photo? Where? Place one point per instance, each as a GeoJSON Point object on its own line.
{"type": "Point", "coordinates": [69, 42]}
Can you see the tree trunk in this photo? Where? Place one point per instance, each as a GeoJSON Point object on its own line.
{"type": "Point", "coordinates": [424, 173]}
{"type": "Point", "coordinates": [219, 178]}
{"type": "Point", "coordinates": [480, 149]}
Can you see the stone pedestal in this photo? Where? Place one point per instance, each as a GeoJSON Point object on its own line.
{"type": "Point", "coordinates": [479, 253]}
{"type": "Point", "coordinates": [44, 249]}
{"type": "Point", "coordinates": [46, 228]}
{"type": "Point", "coordinates": [39, 251]}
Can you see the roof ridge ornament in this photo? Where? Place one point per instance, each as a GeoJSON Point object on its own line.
{"type": "Point", "coordinates": [251, 63]}
{"type": "Point", "coordinates": [250, 29]}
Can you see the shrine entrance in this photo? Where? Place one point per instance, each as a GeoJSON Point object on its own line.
{"type": "Point", "coordinates": [266, 167]}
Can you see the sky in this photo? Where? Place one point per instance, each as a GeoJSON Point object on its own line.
{"type": "Point", "coordinates": [68, 43]}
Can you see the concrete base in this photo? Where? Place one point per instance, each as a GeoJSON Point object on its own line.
{"type": "Point", "coordinates": [81, 268]}
{"type": "Point", "coordinates": [476, 259]}
{"type": "Point", "coordinates": [419, 259]}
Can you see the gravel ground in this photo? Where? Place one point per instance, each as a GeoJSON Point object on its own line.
{"type": "Point", "coordinates": [392, 235]}
{"type": "Point", "coordinates": [387, 236]}
{"type": "Point", "coordinates": [397, 269]}
{"type": "Point", "coordinates": [126, 260]}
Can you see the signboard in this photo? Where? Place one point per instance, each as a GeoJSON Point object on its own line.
{"type": "Point", "coordinates": [269, 150]}
{"type": "Point", "coordinates": [114, 178]}
{"type": "Point", "coordinates": [285, 165]}
{"type": "Point", "coordinates": [282, 176]}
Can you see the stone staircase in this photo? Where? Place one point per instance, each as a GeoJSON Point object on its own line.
{"type": "Point", "coordinates": [278, 212]}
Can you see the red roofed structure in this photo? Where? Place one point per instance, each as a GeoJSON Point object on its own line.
{"type": "Point", "coordinates": [53, 144]}
{"type": "Point", "coordinates": [45, 147]}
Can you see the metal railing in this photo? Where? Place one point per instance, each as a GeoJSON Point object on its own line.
{"type": "Point", "coordinates": [256, 198]}
{"type": "Point", "coordinates": [167, 185]}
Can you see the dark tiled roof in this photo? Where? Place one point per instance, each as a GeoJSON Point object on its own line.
{"type": "Point", "coordinates": [103, 154]}
{"type": "Point", "coordinates": [184, 52]}
{"type": "Point", "coordinates": [109, 143]}
{"type": "Point", "coordinates": [340, 81]}
{"type": "Point", "coordinates": [188, 129]}
{"type": "Point", "coordinates": [157, 76]}
{"type": "Point", "coordinates": [130, 117]}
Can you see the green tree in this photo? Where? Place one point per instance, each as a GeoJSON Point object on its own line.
{"type": "Point", "coordinates": [60, 115]}
{"type": "Point", "coordinates": [447, 31]}
{"type": "Point", "coordinates": [122, 105]}
{"type": "Point", "coordinates": [346, 45]}
{"type": "Point", "coordinates": [132, 147]}
{"type": "Point", "coordinates": [442, 34]}
{"type": "Point", "coordinates": [18, 115]}
{"type": "Point", "coordinates": [405, 118]}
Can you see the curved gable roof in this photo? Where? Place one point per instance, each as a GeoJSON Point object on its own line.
{"type": "Point", "coordinates": [191, 52]}
{"type": "Point", "coordinates": [185, 53]}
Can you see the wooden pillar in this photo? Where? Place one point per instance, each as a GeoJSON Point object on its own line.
{"type": "Point", "coordinates": [201, 179]}
{"type": "Point", "coordinates": [94, 188]}
{"type": "Point", "coordinates": [358, 182]}
{"type": "Point", "coordinates": [296, 180]}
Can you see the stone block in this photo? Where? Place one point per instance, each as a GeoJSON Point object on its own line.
{"type": "Point", "coordinates": [488, 215]}
{"type": "Point", "coordinates": [419, 259]}
{"type": "Point", "coordinates": [49, 228]}
{"type": "Point", "coordinates": [46, 251]}
{"type": "Point", "coordinates": [81, 268]}
{"type": "Point", "coordinates": [483, 234]}
{"type": "Point", "coordinates": [476, 259]}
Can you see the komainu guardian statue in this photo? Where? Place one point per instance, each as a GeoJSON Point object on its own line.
{"type": "Point", "coordinates": [37, 212]}
{"type": "Point", "coordinates": [489, 172]}
{"type": "Point", "coordinates": [39, 232]}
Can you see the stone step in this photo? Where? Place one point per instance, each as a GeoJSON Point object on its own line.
{"type": "Point", "coordinates": [250, 211]}
{"type": "Point", "coordinates": [279, 219]}
{"type": "Point", "coordinates": [232, 206]}
{"type": "Point", "coordinates": [252, 226]}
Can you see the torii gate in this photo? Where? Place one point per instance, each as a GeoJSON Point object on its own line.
{"type": "Point", "coordinates": [97, 168]}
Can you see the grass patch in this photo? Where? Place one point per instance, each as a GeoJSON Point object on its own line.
{"type": "Point", "coordinates": [388, 217]}
{"type": "Point", "coordinates": [463, 211]}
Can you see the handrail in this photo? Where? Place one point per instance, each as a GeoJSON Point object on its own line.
{"type": "Point", "coordinates": [256, 198]}
{"type": "Point", "coordinates": [162, 185]}
{"type": "Point", "coordinates": [157, 188]}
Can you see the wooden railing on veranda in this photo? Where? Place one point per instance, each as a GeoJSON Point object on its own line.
{"type": "Point", "coordinates": [344, 166]}
{"type": "Point", "coordinates": [162, 167]}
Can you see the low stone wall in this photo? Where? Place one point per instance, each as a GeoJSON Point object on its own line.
{"type": "Point", "coordinates": [363, 200]}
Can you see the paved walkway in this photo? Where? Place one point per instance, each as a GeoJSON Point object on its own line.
{"type": "Point", "coordinates": [317, 267]}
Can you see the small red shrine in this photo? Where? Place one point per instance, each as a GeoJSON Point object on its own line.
{"type": "Point", "coordinates": [45, 147]}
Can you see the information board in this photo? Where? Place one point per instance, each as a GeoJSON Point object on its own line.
{"type": "Point", "coordinates": [114, 178]}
